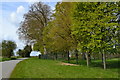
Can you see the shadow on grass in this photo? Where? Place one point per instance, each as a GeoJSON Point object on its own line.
{"type": "Point", "coordinates": [111, 63]}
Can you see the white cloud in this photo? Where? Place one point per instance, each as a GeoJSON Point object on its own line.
{"type": "Point", "coordinates": [17, 16]}
{"type": "Point", "coordinates": [9, 33]}
{"type": "Point", "coordinates": [13, 17]}
{"type": "Point", "coordinates": [9, 26]}
{"type": "Point", "coordinates": [20, 9]}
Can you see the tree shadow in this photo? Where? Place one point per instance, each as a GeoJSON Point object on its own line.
{"type": "Point", "coordinates": [111, 64]}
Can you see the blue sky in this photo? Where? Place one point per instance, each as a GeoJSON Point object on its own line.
{"type": "Point", "coordinates": [11, 14]}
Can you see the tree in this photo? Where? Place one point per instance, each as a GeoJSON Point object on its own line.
{"type": "Point", "coordinates": [117, 36]}
{"type": "Point", "coordinates": [105, 37]}
{"type": "Point", "coordinates": [27, 50]}
{"type": "Point", "coordinates": [21, 53]}
{"type": "Point", "coordinates": [93, 27]}
{"type": "Point", "coordinates": [7, 48]}
{"type": "Point", "coordinates": [35, 21]}
{"type": "Point", "coordinates": [58, 32]}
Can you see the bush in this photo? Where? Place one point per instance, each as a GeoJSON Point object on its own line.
{"type": "Point", "coordinates": [13, 58]}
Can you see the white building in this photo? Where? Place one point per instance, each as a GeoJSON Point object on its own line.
{"type": "Point", "coordinates": [35, 53]}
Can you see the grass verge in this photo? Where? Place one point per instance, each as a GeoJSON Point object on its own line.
{"type": "Point", "coordinates": [38, 68]}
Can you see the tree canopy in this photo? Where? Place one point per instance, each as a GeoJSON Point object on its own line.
{"type": "Point", "coordinates": [79, 27]}
{"type": "Point", "coordinates": [7, 48]}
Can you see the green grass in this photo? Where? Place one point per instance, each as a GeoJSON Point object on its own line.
{"type": "Point", "coordinates": [38, 68]}
{"type": "Point", "coordinates": [0, 59]}
{"type": "Point", "coordinates": [112, 64]}
{"type": "Point", "coordinates": [7, 59]}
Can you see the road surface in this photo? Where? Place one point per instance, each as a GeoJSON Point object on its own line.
{"type": "Point", "coordinates": [7, 67]}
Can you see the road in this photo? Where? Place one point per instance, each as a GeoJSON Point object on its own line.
{"type": "Point", "coordinates": [7, 67]}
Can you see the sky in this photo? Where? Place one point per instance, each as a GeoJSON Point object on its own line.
{"type": "Point", "coordinates": [11, 14]}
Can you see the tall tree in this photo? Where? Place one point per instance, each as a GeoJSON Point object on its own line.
{"type": "Point", "coordinates": [93, 27]}
{"type": "Point", "coordinates": [35, 21]}
{"type": "Point", "coordinates": [59, 31]}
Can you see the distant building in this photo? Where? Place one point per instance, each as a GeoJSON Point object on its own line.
{"type": "Point", "coordinates": [35, 53]}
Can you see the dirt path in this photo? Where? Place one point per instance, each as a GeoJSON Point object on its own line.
{"type": "Point", "coordinates": [69, 64]}
{"type": "Point", "coordinates": [7, 67]}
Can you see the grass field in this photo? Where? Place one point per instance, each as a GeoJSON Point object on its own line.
{"type": "Point", "coordinates": [38, 68]}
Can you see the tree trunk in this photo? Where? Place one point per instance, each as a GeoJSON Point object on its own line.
{"type": "Point", "coordinates": [68, 56]}
{"type": "Point", "coordinates": [62, 55]}
{"type": "Point", "coordinates": [55, 56]}
{"type": "Point", "coordinates": [39, 56]}
{"type": "Point", "coordinates": [87, 59]}
{"type": "Point", "coordinates": [9, 56]}
{"type": "Point", "coordinates": [104, 60]}
{"type": "Point", "coordinates": [45, 52]}
{"type": "Point", "coordinates": [83, 56]}
{"type": "Point", "coordinates": [76, 54]}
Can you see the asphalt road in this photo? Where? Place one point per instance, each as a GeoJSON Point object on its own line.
{"type": "Point", "coordinates": [7, 67]}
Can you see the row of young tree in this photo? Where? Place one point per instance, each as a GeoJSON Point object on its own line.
{"type": "Point", "coordinates": [88, 28]}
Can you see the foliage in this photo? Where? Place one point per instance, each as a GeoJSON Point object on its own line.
{"type": "Point", "coordinates": [35, 21]}
{"type": "Point", "coordinates": [92, 25]}
{"type": "Point", "coordinates": [7, 48]}
{"type": "Point", "coordinates": [57, 35]}
{"type": "Point", "coordinates": [95, 26]}
{"type": "Point", "coordinates": [87, 28]}
{"type": "Point", "coordinates": [25, 52]}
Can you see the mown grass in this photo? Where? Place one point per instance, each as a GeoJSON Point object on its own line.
{"type": "Point", "coordinates": [38, 68]}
